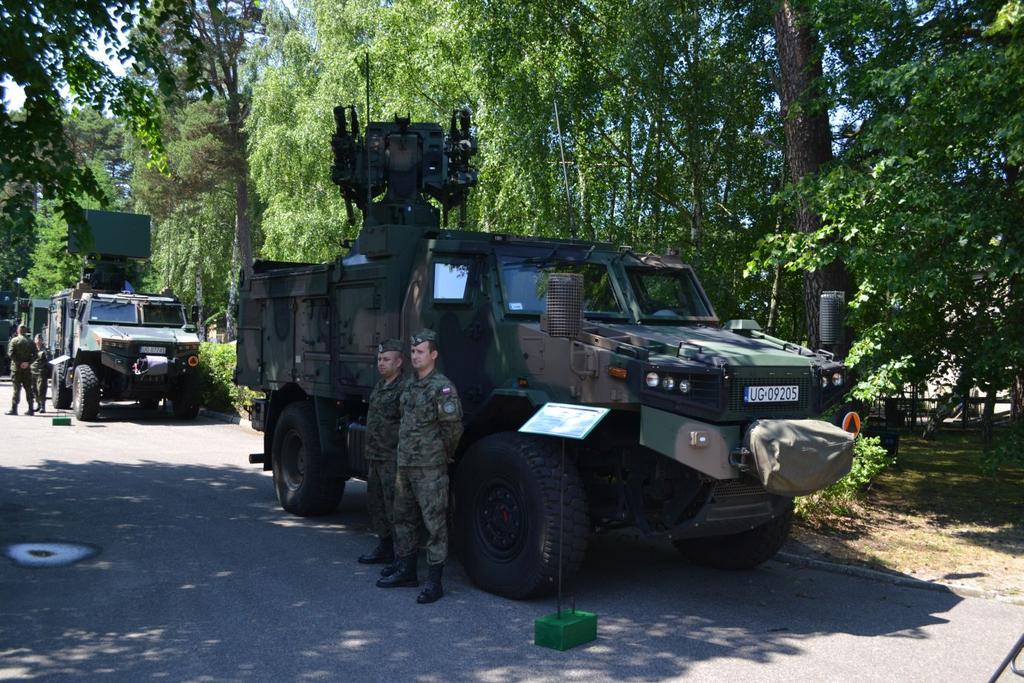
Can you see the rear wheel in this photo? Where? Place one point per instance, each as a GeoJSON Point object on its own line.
{"type": "Point", "coordinates": [60, 392]}
{"type": "Point", "coordinates": [85, 391]}
{"type": "Point", "coordinates": [506, 522]}
{"type": "Point", "coordinates": [301, 469]}
{"type": "Point", "coordinates": [744, 550]}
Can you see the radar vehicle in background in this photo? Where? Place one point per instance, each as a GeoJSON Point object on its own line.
{"type": "Point", "coordinates": [117, 344]}
{"type": "Point", "coordinates": [696, 407]}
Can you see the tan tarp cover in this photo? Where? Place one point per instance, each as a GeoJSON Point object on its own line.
{"type": "Point", "coordinates": [797, 457]}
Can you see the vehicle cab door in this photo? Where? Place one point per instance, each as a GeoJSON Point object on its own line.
{"type": "Point", "coordinates": [456, 306]}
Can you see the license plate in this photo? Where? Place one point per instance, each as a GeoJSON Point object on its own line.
{"type": "Point", "coordinates": [771, 394]}
{"type": "Point", "coordinates": [153, 349]}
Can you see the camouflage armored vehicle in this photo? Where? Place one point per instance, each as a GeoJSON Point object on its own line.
{"type": "Point", "coordinates": [698, 410]}
{"type": "Point", "coordinates": [119, 344]}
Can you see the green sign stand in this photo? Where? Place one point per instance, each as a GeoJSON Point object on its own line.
{"type": "Point", "coordinates": [564, 629]}
{"type": "Point", "coordinates": [62, 421]}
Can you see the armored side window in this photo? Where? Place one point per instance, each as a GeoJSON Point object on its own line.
{"type": "Point", "coordinates": [450, 281]}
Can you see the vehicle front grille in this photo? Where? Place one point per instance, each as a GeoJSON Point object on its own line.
{"type": "Point", "coordinates": [703, 388]}
{"type": "Point", "coordinates": [777, 378]}
{"type": "Point", "coordinates": [732, 488]}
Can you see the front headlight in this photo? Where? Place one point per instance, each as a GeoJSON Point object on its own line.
{"type": "Point", "coordinates": [684, 386]}
{"type": "Point", "coordinates": [824, 382]}
{"type": "Point", "coordinates": [668, 383]}
{"type": "Point", "coordinates": [837, 379]}
{"type": "Point", "coordinates": [110, 344]}
{"type": "Point", "coordinates": [187, 348]}
{"type": "Point", "coordinates": [652, 379]}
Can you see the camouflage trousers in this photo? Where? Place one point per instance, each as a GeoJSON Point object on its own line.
{"type": "Point", "coordinates": [380, 496]}
{"type": "Point", "coordinates": [422, 493]}
{"type": "Point", "coordinates": [40, 382]}
{"type": "Point", "coordinates": [21, 378]}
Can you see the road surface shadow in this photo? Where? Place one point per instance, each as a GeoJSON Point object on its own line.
{"type": "Point", "coordinates": [201, 575]}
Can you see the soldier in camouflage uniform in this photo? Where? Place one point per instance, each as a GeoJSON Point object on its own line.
{"type": "Point", "coordinates": [40, 373]}
{"type": "Point", "coordinates": [21, 352]}
{"type": "Point", "coordinates": [430, 430]}
{"type": "Point", "coordinates": [382, 421]}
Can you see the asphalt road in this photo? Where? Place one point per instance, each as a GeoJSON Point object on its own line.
{"type": "Point", "coordinates": [198, 575]}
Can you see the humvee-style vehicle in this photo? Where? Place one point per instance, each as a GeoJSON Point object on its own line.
{"type": "Point", "coordinates": [696, 409]}
{"type": "Point", "coordinates": [120, 344]}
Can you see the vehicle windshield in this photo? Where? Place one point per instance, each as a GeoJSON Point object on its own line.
{"type": "Point", "coordinates": [668, 295]}
{"type": "Point", "coordinates": [113, 312]}
{"type": "Point", "coordinates": [526, 286]}
{"type": "Point", "coordinates": [165, 315]}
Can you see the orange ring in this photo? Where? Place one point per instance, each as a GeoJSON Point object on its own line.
{"type": "Point", "coordinates": [852, 417]}
{"type": "Point", "coordinates": [193, 361]}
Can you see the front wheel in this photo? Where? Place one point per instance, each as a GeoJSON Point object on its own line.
{"type": "Point", "coordinates": [507, 521]}
{"type": "Point", "coordinates": [301, 468]}
{"type": "Point", "coordinates": [744, 550]}
{"type": "Point", "coordinates": [185, 400]}
{"type": "Point", "coordinates": [85, 393]}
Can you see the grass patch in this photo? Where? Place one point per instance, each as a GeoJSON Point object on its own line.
{"type": "Point", "coordinates": [937, 514]}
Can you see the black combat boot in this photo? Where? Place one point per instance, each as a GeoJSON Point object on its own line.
{"type": "Point", "coordinates": [432, 589]}
{"type": "Point", "coordinates": [31, 411]}
{"type": "Point", "coordinates": [384, 553]}
{"type": "Point", "coordinates": [12, 411]}
{"type": "Point", "coordinates": [404, 576]}
{"type": "Point", "coordinates": [390, 569]}
{"type": "Point", "coordinates": [42, 407]}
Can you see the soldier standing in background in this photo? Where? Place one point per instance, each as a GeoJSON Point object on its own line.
{"type": "Point", "coordinates": [21, 352]}
{"type": "Point", "coordinates": [430, 430]}
{"type": "Point", "coordinates": [382, 422]}
{"type": "Point", "coordinates": [40, 373]}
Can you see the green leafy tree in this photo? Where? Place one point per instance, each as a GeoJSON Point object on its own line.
{"type": "Point", "coordinates": [666, 109]}
{"type": "Point", "coordinates": [924, 201]}
{"type": "Point", "coordinates": [49, 50]}
{"type": "Point", "coordinates": [192, 207]}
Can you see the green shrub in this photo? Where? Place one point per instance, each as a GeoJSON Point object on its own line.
{"type": "Point", "coordinates": [869, 459]}
{"type": "Point", "coordinates": [1008, 451]}
{"type": "Point", "coordinates": [217, 369]}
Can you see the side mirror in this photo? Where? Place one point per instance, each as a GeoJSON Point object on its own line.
{"type": "Point", "coordinates": [195, 312]}
{"type": "Point", "coordinates": [189, 328]}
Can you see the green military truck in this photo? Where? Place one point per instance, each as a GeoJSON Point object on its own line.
{"type": "Point", "coordinates": [111, 343]}
{"type": "Point", "coordinates": [8, 327]}
{"type": "Point", "coordinates": [710, 433]}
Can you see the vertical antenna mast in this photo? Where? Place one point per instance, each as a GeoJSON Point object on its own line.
{"type": "Point", "coordinates": [366, 141]}
{"type": "Point", "coordinates": [565, 174]}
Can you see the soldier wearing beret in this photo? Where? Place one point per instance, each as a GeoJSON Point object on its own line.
{"type": "Point", "coordinates": [382, 419]}
{"type": "Point", "coordinates": [429, 432]}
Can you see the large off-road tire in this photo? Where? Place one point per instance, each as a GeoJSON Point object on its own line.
{"type": "Point", "coordinates": [185, 400]}
{"type": "Point", "coordinates": [85, 393]}
{"type": "Point", "coordinates": [60, 392]}
{"type": "Point", "coordinates": [744, 550]}
{"type": "Point", "coordinates": [301, 469]}
{"type": "Point", "coordinates": [506, 515]}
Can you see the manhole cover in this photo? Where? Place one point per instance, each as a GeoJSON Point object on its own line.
{"type": "Point", "coordinates": [48, 554]}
